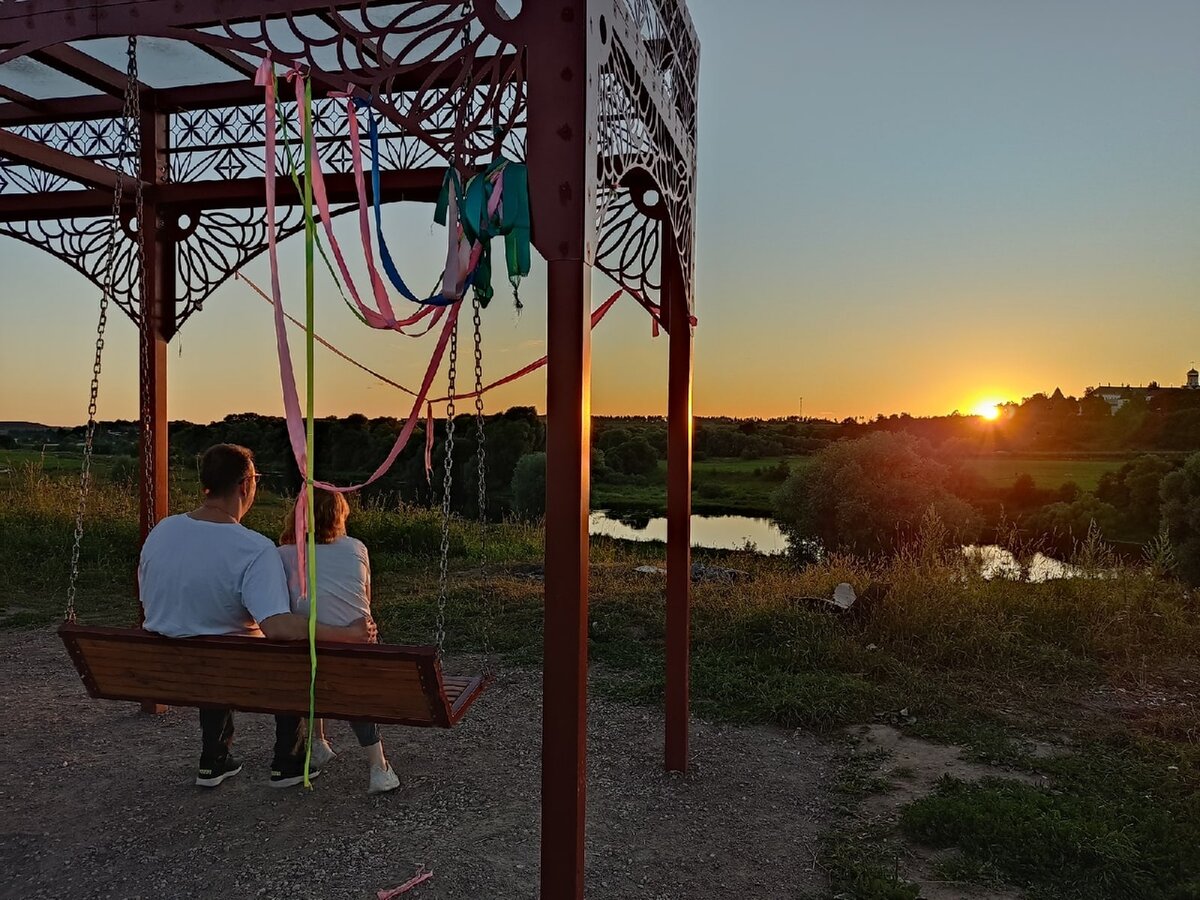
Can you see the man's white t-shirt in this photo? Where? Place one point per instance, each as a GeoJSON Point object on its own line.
{"type": "Point", "coordinates": [343, 581]}
{"type": "Point", "coordinates": [209, 578]}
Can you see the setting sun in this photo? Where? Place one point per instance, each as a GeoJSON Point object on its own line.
{"type": "Point", "coordinates": [988, 409]}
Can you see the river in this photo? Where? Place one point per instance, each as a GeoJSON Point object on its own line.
{"type": "Point", "coordinates": [739, 532]}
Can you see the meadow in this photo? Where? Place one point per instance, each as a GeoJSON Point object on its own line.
{"type": "Point", "coordinates": [1089, 684]}
{"type": "Point", "coordinates": [719, 487]}
{"type": "Point", "coordinates": [746, 486]}
{"type": "Point", "coordinates": [1047, 472]}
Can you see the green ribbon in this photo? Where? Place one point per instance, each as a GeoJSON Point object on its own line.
{"type": "Point", "coordinates": [513, 224]}
{"type": "Point", "coordinates": [310, 233]}
{"type": "Point", "coordinates": [294, 172]}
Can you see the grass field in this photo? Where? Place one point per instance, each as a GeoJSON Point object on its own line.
{"type": "Point", "coordinates": [719, 486]}
{"type": "Point", "coordinates": [1047, 473]}
{"type": "Point", "coordinates": [1098, 672]}
{"type": "Point", "coordinates": [745, 486]}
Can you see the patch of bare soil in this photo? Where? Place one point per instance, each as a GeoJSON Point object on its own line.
{"type": "Point", "coordinates": [98, 802]}
{"type": "Point", "coordinates": [913, 767]}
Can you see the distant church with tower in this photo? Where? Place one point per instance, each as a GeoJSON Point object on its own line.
{"type": "Point", "coordinates": [1117, 396]}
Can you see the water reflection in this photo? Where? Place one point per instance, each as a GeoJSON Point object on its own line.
{"type": "Point", "coordinates": [763, 535]}
{"type": "Point", "coordinates": [996, 562]}
{"type": "Point", "coordinates": [713, 532]}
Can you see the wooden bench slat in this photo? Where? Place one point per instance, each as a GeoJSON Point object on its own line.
{"type": "Point", "coordinates": [371, 682]}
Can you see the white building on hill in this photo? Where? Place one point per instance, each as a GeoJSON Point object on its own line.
{"type": "Point", "coordinates": [1117, 396]}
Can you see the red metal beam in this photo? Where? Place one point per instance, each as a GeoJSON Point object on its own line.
{"type": "Point", "coordinates": [47, 158]}
{"type": "Point", "coordinates": [71, 109]}
{"type": "Point", "coordinates": [409, 184]}
{"type": "Point", "coordinates": [86, 69]}
{"type": "Point", "coordinates": [417, 185]}
{"type": "Point", "coordinates": [83, 18]}
{"type": "Point", "coordinates": [238, 63]}
{"type": "Point", "coordinates": [679, 502]}
{"type": "Point", "coordinates": [30, 104]}
{"type": "Point", "coordinates": [218, 95]}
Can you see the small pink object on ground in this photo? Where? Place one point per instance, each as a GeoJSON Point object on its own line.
{"type": "Point", "coordinates": [395, 892]}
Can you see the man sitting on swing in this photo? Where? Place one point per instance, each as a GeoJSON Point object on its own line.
{"type": "Point", "coordinates": [203, 572]}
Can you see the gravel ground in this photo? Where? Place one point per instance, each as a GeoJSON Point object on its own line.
{"type": "Point", "coordinates": [98, 801]}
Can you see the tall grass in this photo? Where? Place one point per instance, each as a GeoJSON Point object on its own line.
{"type": "Point", "coordinates": [985, 663]}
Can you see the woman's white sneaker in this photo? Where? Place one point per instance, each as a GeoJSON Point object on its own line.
{"type": "Point", "coordinates": [322, 753]}
{"type": "Point", "coordinates": [383, 780]}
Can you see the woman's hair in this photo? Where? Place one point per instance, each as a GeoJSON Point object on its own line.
{"type": "Point", "coordinates": [223, 467]}
{"type": "Point", "coordinates": [329, 516]}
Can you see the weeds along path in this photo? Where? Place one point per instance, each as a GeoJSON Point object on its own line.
{"type": "Point", "coordinates": [98, 802]}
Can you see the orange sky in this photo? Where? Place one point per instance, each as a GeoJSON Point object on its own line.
{"type": "Point", "coordinates": [956, 201]}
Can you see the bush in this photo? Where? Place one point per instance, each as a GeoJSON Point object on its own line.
{"type": "Point", "coordinates": [634, 457]}
{"type": "Point", "coordinates": [1180, 493]}
{"type": "Point", "coordinates": [1075, 519]}
{"type": "Point", "coordinates": [870, 494]}
{"type": "Point", "coordinates": [529, 486]}
{"type": "Point", "coordinates": [124, 471]}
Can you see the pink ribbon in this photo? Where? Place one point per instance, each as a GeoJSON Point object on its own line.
{"type": "Point", "coordinates": [395, 892]}
{"type": "Point", "coordinates": [287, 375]}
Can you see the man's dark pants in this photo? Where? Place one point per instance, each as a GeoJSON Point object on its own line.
{"type": "Point", "coordinates": [216, 730]}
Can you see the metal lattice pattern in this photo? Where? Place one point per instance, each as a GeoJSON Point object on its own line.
{"type": "Point", "coordinates": [372, 49]}
{"type": "Point", "coordinates": [223, 241]}
{"type": "Point", "coordinates": [417, 61]}
{"type": "Point", "coordinates": [646, 120]}
{"type": "Point", "coordinates": [219, 243]}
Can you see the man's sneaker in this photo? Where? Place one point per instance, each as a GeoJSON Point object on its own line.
{"type": "Point", "coordinates": [383, 780]}
{"type": "Point", "coordinates": [213, 772]}
{"type": "Point", "coordinates": [292, 775]}
{"type": "Point", "coordinates": [322, 753]}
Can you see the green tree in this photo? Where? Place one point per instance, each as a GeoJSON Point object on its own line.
{"type": "Point", "coordinates": [1075, 519]}
{"type": "Point", "coordinates": [1180, 493]}
{"type": "Point", "coordinates": [613, 437]}
{"type": "Point", "coordinates": [529, 486]}
{"type": "Point", "coordinates": [634, 457]}
{"type": "Point", "coordinates": [1134, 490]}
{"type": "Point", "coordinates": [870, 494]}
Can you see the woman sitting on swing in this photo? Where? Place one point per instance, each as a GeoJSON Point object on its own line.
{"type": "Point", "coordinates": [343, 594]}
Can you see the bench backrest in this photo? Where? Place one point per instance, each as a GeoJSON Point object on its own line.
{"type": "Point", "coordinates": [382, 683]}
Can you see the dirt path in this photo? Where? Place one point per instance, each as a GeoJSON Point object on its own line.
{"type": "Point", "coordinates": [98, 802]}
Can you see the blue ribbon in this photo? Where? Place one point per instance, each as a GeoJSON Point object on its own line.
{"type": "Point", "coordinates": [385, 256]}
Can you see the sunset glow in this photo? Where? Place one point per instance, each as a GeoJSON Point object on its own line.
{"type": "Point", "coordinates": [988, 409]}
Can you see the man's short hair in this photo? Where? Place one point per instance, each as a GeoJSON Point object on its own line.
{"type": "Point", "coordinates": [223, 467]}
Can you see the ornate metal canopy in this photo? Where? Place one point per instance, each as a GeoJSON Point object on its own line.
{"type": "Point", "coordinates": [598, 97]}
{"type": "Point", "coordinates": [448, 78]}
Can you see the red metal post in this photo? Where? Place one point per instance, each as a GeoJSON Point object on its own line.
{"type": "Point", "coordinates": [158, 313]}
{"type": "Point", "coordinates": [564, 689]}
{"type": "Point", "coordinates": [679, 503]}
{"type": "Point", "coordinates": [561, 154]}
{"type": "Point", "coordinates": [158, 318]}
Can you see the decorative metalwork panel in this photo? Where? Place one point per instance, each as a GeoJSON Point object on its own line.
{"type": "Point", "coordinates": [629, 243]}
{"type": "Point", "coordinates": [221, 242]}
{"type": "Point", "coordinates": [81, 244]}
{"type": "Point", "coordinates": [211, 249]}
{"type": "Point", "coordinates": [646, 120]}
{"type": "Point", "coordinates": [449, 90]}
{"type": "Point", "coordinates": [98, 140]}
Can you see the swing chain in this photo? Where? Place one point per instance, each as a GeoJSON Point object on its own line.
{"type": "Point", "coordinates": [447, 482]}
{"type": "Point", "coordinates": [146, 321]}
{"type": "Point", "coordinates": [462, 116]}
{"type": "Point", "coordinates": [129, 122]}
{"type": "Point", "coordinates": [481, 478]}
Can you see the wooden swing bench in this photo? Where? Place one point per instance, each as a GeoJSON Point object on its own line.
{"type": "Point", "coordinates": [388, 684]}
